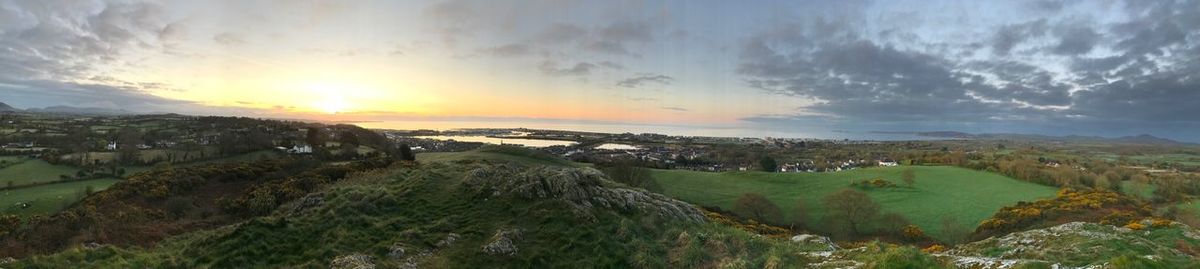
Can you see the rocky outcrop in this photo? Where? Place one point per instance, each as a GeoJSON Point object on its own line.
{"type": "Point", "coordinates": [353, 261]}
{"type": "Point", "coordinates": [815, 240]}
{"type": "Point", "coordinates": [582, 188]}
{"type": "Point", "coordinates": [503, 243]}
{"type": "Point", "coordinates": [1076, 244]}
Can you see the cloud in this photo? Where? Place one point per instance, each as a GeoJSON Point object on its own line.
{"type": "Point", "coordinates": [641, 79]}
{"type": "Point", "coordinates": [229, 39]}
{"type": "Point", "coordinates": [672, 108]}
{"type": "Point", "coordinates": [1009, 36]}
{"type": "Point", "coordinates": [1052, 71]}
{"type": "Point", "coordinates": [579, 69]}
{"type": "Point", "coordinates": [509, 50]}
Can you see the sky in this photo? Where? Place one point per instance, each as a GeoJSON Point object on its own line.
{"type": "Point", "coordinates": [1106, 67]}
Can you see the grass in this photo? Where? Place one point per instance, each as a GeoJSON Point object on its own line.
{"type": "Point", "coordinates": [32, 171]}
{"type": "Point", "coordinates": [1142, 190]}
{"type": "Point", "coordinates": [940, 191]}
{"type": "Point", "coordinates": [47, 199]}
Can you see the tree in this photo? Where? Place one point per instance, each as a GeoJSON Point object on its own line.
{"type": "Point", "coordinates": [315, 137]}
{"type": "Point", "coordinates": [909, 177]}
{"type": "Point", "coordinates": [768, 164]}
{"type": "Point", "coordinates": [128, 140]}
{"type": "Point", "coordinates": [757, 207]}
{"type": "Point", "coordinates": [852, 207]}
{"type": "Point", "coordinates": [349, 138]}
{"type": "Point", "coordinates": [406, 153]}
{"type": "Point", "coordinates": [631, 175]}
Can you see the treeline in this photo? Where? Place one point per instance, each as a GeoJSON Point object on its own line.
{"type": "Point", "coordinates": [150, 206]}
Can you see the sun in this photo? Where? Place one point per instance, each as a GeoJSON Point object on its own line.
{"type": "Point", "coordinates": [334, 105]}
{"type": "Point", "coordinates": [330, 99]}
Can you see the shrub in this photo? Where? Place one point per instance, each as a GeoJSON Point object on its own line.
{"type": "Point", "coordinates": [757, 207]}
{"type": "Point", "coordinates": [913, 233]}
{"type": "Point", "coordinates": [178, 206]}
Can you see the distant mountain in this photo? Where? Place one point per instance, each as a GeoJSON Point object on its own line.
{"type": "Point", "coordinates": [1143, 139]}
{"type": "Point", "coordinates": [6, 108]}
{"type": "Point", "coordinates": [80, 110]}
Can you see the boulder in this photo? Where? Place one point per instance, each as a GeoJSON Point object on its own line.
{"type": "Point", "coordinates": [581, 188]}
{"type": "Point", "coordinates": [353, 261]}
{"type": "Point", "coordinates": [503, 243]}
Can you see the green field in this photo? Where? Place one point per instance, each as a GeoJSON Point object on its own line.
{"type": "Point", "coordinates": [30, 171]}
{"type": "Point", "coordinates": [940, 191]}
{"type": "Point", "coordinates": [47, 199]}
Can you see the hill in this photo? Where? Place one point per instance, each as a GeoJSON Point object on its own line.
{"type": "Point", "coordinates": [513, 214]}
{"type": "Point", "coordinates": [6, 108]}
{"type": "Point", "coordinates": [966, 195]}
{"type": "Point", "coordinates": [470, 215]}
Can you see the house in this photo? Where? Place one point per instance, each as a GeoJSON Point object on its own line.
{"type": "Point", "coordinates": [888, 162]}
{"type": "Point", "coordinates": [300, 149]}
{"type": "Point", "coordinates": [112, 146]}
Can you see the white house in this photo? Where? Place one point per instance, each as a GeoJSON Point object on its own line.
{"type": "Point", "coordinates": [888, 162]}
{"type": "Point", "coordinates": [301, 149]}
{"type": "Point", "coordinates": [111, 146]}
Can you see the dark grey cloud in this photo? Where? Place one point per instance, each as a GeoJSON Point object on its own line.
{"type": "Point", "coordinates": [1076, 39]}
{"type": "Point", "coordinates": [642, 79]}
{"type": "Point", "coordinates": [1041, 72]}
{"type": "Point", "coordinates": [1012, 35]}
{"type": "Point", "coordinates": [59, 52]}
{"type": "Point", "coordinates": [579, 69]}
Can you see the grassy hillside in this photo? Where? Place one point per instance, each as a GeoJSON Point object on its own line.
{"type": "Point", "coordinates": [479, 214]}
{"type": "Point", "coordinates": [47, 199]}
{"type": "Point", "coordinates": [966, 195]}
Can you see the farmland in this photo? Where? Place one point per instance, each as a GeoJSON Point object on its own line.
{"type": "Point", "coordinates": [940, 191]}
{"type": "Point", "coordinates": [47, 199]}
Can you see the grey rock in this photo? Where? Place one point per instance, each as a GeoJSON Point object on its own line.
{"type": "Point", "coordinates": [582, 188]}
{"type": "Point", "coordinates": [353, 261]}
{"type": "Point", "coordinates": [448, 241]}
{"type": "Point", "coordinates": [503, 243]}
{"type": "Point", "coordinates": [309, 201]}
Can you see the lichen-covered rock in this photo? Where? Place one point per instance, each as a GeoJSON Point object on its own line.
{"type": "Point", "coordinates": [815, 240]}
{"type": "Point", "coordinates": [1079, 244]}
{"type": "Point", "coordinates": [582, 188]}
{"type": "Point", "coordinates": [448, 240]}
{"type": "Point", "coordinates": [353, 261]}
{"type": "Point", "coordinates": [309, 201]}
{"type": "Point", "coordinates": [503, 243]}
{"type": "Point", "coordinates": [396, 251]}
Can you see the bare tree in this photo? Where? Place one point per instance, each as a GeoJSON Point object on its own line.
{"type": "Point", "coordinates": [853, 208]}
{"type": "Point", "coordinates": [757, 207]}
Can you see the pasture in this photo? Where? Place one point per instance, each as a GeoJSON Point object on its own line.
{"type": "Point", "coordinates": [47, 199]}
{"type": "Point", "coordinates": [966, 195]}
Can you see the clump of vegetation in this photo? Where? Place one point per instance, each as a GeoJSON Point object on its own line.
{"type": "Point", "coordinates": [1067, 206]}
{"type": "Point", "coordinates": [874, 183]}
{"type": "Point", "coordinates": [756, 207]}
